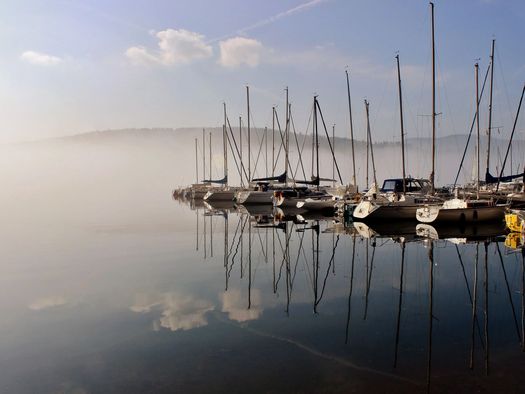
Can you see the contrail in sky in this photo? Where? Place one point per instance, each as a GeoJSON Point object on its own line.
{"type": "Point", "coordinates": [284, 14]}
{"type": "Point", "coordinates": [300, 8]}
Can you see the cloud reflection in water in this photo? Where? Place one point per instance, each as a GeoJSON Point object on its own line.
{"type": "Point", "coordinates": [178, 312]}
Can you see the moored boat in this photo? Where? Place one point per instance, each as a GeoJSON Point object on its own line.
{"type": "Point", "coordinates": [220, 194]}
{"type": "Point", "coordinates": [462, 211]}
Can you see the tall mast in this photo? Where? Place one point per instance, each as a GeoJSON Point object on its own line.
{"type": "Point", "coordinates": [367, 150]}
{"type": "Point", "coordinates": [489, 131]}
{"type": "Point", "coordinates": [210, 156]}
{"type": "Point", "coordinates": [316, 135]}
{"type": "Point", "coordinates": [249, 142]}
{"type": "Point", "coordinates": [370, 142]}
{"type": "Point", "coordinates": [351, 129]}
{"type": "Point", "coordinates": [196, 163]}
{"type": "Point", "coordinates": [402, 125]}
{"type": "Point", "coordinates": [273, 141]}
{"type": "Point", "coordinates": [333, 157]}
{"type": "Point", "coordinates": [225, 147]}
{"type": "Point", "coordinates": [266, 148]}
{"type": "Point", "coordinates": [240, 145]}
{"type": "Point", "coordinates": [433, 173]}
{"type": "Point", "coordinates": [476, 66]}
{"type": "Point", "coordinates": [204, 154]}
{"type": "Point", "coordinates": [287, 139]}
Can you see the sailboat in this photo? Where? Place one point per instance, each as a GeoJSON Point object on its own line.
{"type": "Point", "coordinates": [398, 199]}
{"type": "Point", "coordinates": [198, 190]}
{"type": "Point", "coordinates": [311, 195]}
{"type": "Point", "coordinates": [261, 190]}
{"type": "Point", "coordinates": [465, 210]}
{"type": "Point", "coordinates": [222, 193]}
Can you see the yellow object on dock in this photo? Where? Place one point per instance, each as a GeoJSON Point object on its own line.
{"type": "Point", "coordinates": [515, 222]}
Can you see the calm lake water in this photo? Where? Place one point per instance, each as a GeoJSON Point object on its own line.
{"type": "Point", "coordinates": [168, 297]}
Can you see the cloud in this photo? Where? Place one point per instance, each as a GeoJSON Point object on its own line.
{"type": "Point", "coordinates": [235, 305]}
{"type": "Point", "coordinates": [240, 50]}
{"type": "Point", "coordinates": [40, 58]}
{"type": "Point", "coordinates": [178, 312]}
{"type": "Point", "coordinates": [47, 302]}
{"type": "Point", "coordinates": [175, 47]}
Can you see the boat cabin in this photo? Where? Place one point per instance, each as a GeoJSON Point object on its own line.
{"type": "Point", "coordinates": [413, 185]}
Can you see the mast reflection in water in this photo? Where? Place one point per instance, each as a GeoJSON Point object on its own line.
{"type": "Point", "coordinates": [219, 298]}
{"type": "Point", "coordinates": [402, 306]}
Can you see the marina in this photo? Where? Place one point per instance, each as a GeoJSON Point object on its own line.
{"type": "Point", "coordinates": [297, 196]}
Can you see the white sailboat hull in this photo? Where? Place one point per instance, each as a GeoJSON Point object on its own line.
{"type": "Point", "coordinates": [431, 214]}
{"type": "Point", "coordinates": [254, 197]}
{"type": "Point", "coordinates": [219, 195]}
{"type": "Point", "coordinates": [311, 204]}
{"type": "Point", "coordinates": [369, 210]}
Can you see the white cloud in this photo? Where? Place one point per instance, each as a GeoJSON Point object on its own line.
{"type": "Point", "coordinates": [47, 302]}
{"type": "Point", "coordinates": [175, 47]}
{"type": "Point", "coordinates": [40, 58]}
{"type": "Point", "coordinates": [240, 50]}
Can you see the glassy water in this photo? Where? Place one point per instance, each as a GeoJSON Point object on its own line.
{"type": "Point", "coordinates": [176, 297]}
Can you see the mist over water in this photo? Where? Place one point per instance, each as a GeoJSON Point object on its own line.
{"type": "Point", "coordinates": [110, 285]}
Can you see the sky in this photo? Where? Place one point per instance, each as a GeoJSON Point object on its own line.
{"type": "Point", "coordinates": [69, 67]}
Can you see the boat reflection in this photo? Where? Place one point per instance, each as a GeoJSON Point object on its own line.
{"type": "Point", "coordinates": [372, 302]}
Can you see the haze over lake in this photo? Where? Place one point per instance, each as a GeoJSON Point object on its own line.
{"type": "Point", "coordinates": [111, 285]}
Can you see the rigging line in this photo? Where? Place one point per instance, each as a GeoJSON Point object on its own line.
{"type": "Point", "coordinates": [468, 291]}
{"type": "Point", "coordinates": [297, 143]}
{"type": "Point", "coordinates": [329, 143]}
{"type": "Point", "coordinates": [509, 106]}
{"type": "Point", "coordinates": [369, 280]}
{"type": "Point", "coordinates": [258, 155]}
{"type": "Point", "coordinates": [472, 127]}
{"type": "Point", "coordinates": [261, 242]}
{"type": "Point", "coordinates": [307, 269]}
{"type": "Point", "coordinates": [328, 271]}
{"type": "Point", "coordinates": [508, 292]}
{"type": "Point", "coordinates": [257, 133]}
{"type": "Point", "coordinates": [282, 141]}
{"type": "Point", "coordinates": [233, 154]}
{"type": "Point", "coordinates": [297, 259]}
{"type": "Point", "coordinates": [441, 79]}
{"type": "Point", "coordinates": [305, 139]}
{"type": "Point", "coordinates": [237, 248]}
{"type": "Point", "coordinates": [281, 267]}
{"type": "Point", "coordinates": [236, 148]}
{"type": "Point", "coordinates": [234, 237]}
{"type": "Point", "coordinates": [510, 139]}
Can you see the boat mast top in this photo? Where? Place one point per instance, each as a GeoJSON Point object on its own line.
{"type": "Point", "coordinates": [273, 141]}
{"type": "Point", "coordinates": [351, 129]}
{"type": "Point", "coordinates": [367, 104]}
{"type": "Point", "coordinates": [196, 163]}
{"type": "Point", "coordinates": [287, 139]}
{"type": "Point", "coordinates": [203, 153]}
{"type": "Point", "coordinates": [433, 173]}
{"type": "Point", "coordinates": [225, 147]}
{"type": "Point", "coordinates": [249, 142]}
{"type": "Point", "coordinates": [333, 157]}
{"type": "Point", "coordinates": [476, 66]}
{"type": "Point", "coordinates": [489, 130]}
{"type": "Point", "coordinates": [240, 150]}
{"type": "Point", "coordinates": [316, 136]}
{"type": "Point", "coordinates": [402, 125]}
